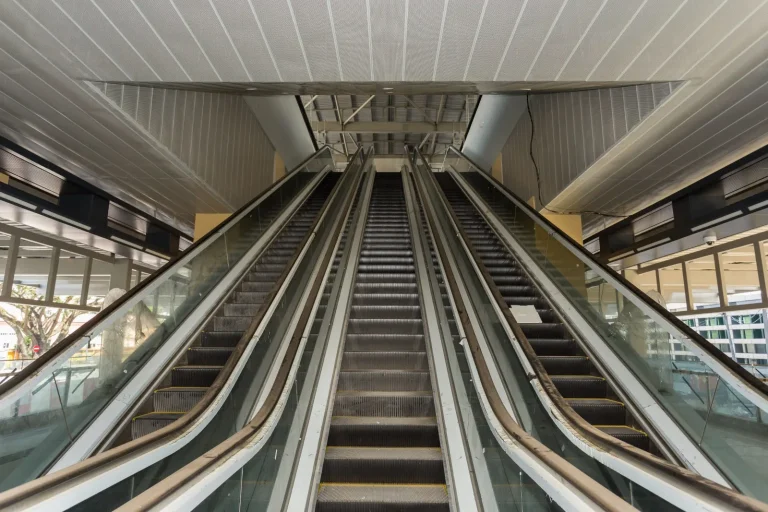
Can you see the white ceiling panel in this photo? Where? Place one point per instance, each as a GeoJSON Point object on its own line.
{"type": "Point", "coordinates": [314, 24]}
{"type": "Point", "coordinates": [424, 26]}
{"type": "Point", "coordinates": [639, 31]}
{"type": "Point", "coordinates": [458, 40]}
{"type": "Point", "coordinates": [497, 24]}
{"type": "Point", "coordinates": [572, 23]}
{"type": "Point", "coordinates": [526, 38]}
{"type": "Point", "coordinates": [387, 22]}
{"type": "Point", "coordinates": [353, 39]}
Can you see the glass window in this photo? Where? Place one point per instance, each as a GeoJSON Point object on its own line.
{"type": "Point", "coordinates": [98, 286]}
{"type": "Point", "coordinates": [748, 334]}
{"type": "Point", "coordinates": [712, 321]}
{"type": "Point", "coordinates": [5, 245]}
{"type": "Point", "coordinates": [69, 277]}
{"type": "Point", "coordinates": [702, 281]}
{"type": "Point", "coordinates": [134, 277]}
{"type": "Point", "coordinates": [740, 275]}
{"type": "Point", "coordinates": [672, 288]}
{"type": "Point", "coordinates": [715, 335]}
{"type": "Point", "coordinates": [754, 318]}
{"type": "Point", "coordinates": [646, 281]}
{"type": "Point", "coordinates": [33, 265]}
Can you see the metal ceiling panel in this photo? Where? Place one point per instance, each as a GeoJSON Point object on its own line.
{"type": "Point", "coordinates": [496, 27]}
{"type": "Point", "coordinates": [313, 23]}
{"type": "Point", "coordinates": [277, 23]}
{"type": "Point", "coordinates": [424, 29]}
{"type": "Point", "coordinates": [352, 37]}
{"type": "Point", "coordinates": [386, 21]}
{"type": "Point", "coordinates": [458, 38]}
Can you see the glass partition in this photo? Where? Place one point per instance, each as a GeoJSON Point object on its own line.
{"type": "Point", "coordinates": [45, 412]}
{"type": "Point", "coordinates": [528, 411]}
{"type": "Point", "coordinates": [728, 427]}
{"type": "Point", "coordinates": [239, 406]}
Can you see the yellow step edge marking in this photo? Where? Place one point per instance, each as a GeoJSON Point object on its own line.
{"type": "Point", "coordinates": [159, 412]}
{"type": "Point", "coordinates": [351, 484]}
{"type": "Point", "coordinates": [593, 399]}
{"type": "Point", "coordinates": [622, 426]}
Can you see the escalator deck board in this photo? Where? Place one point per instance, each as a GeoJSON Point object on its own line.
{"type": "Point", "coordinates": [571, 372]}
{"type": "Point", "coordinates": [383, 437]}
{"type": "Point", "coordinates": [213, 347]}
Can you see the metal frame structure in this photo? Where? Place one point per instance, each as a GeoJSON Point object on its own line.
{"type": "Point", "coordinates": [18, 234]}
{"type": "Point", "coordinates": [343, 120]}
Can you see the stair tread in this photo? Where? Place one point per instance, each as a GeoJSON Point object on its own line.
{"type": "Point", "coordinates": [162, 415]}
{"type": "Point", "coordinates": [384, 393]}
{"type": "Point", "coordinates": [384, 420]}
{"type": "Point", "coordinates": [383, 453]}
{"type": "Point", "coordinates": [392, 494]}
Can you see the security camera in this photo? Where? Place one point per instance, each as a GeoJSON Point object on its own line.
{"type": "Point", "coordinates": [710, 239]}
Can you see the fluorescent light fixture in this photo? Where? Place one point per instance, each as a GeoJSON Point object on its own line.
{"type": "Point", "coordinates": [758, 205]}
{"type": "Point", "coordinates": [716, 221]}
{"type": "Point", "coordinates": [19, 202]}
{"type": "Point", "coordinates": [126, 242]}
{"type": "Point", "coordinates": [654, 244]}
{"type": "Point", "coordinates": [68, 221]}
{"type": "Point", "coordinates": [387, 88]}
{"type": "Point", "coordinates": [622, 255]}
{"type": "Point", "coordinates": [150, 251]}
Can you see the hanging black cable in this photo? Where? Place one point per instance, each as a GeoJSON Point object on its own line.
{"type": "Point", "coordinates": [538, 176]}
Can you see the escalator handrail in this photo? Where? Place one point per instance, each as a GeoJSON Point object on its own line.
{"type": "Point", "coordinates": [732, 368]}
{"type": "Point", "coordinates": [183, 424]}
{"type": "Point", "coordinates": [597, 437]}
{"type": "Point", "coordinates": [161, 490]}
{"type": "Point", "coordinates": [169, 268]}
{"type": "Point", "coordinates": [585, 484]}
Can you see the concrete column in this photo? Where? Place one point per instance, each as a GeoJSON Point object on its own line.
{"type": "Point", "coordinates": [121, 275]}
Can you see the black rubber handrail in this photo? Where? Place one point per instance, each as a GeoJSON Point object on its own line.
{"type": "Point", "coordinates": [182, 424]}
{"type": "Point", "coordinates": [678, 324]}
{"type": "Point", "coordinates": [153, 496]}
{"type": "Point", "coordinates": [599, 438]}
{"type": "Point", "coordinates": [81, 331]}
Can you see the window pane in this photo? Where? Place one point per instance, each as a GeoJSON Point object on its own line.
{"type": "Point", "coordinates": [32, 267]}
{"type": "Point", "coordinates": [101, 273]}
{"type": "Point", "coordinates": [740, 275]}
{"type": "Point", "coordinates": [702, 280]}
{"type": "Point", "coordinates": [5, 243]}
{"type": "Point", "coordinates": [646, 282]}
{"type": "Point", "coordinates": [69, 277]}
{"type": "Point", "coordinates": [672, 288]}
{"type": "Point", "coordinates": [134, 277]}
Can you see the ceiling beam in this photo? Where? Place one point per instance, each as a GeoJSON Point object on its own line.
{"type": "Point", "coordinates": [423, 112]}
{"type": "Point", "coordinates": [312, 99]}
{"type": "Point", "coordinates": [387, 127]}
{"type": "Point", "coordinates": [338, 117]}
{"type": "Point", "coordinates": [358, 109]}
{"type": "Point", "coordinates": [439, 119]}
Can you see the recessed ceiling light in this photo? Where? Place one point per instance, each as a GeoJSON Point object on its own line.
{"type": "Point", "coordinates": [526, 89]}
{"type": "Point", "coordinates": [387, 88]}
{"type": "Point", "coordinates": [252, 89]}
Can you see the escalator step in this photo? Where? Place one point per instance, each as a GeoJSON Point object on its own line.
{"type": "Point", "coordinates": [385, 326]}
{"type": "Point", "coordinates": [248, 310]}
{"type": "Point", "coordinates": [148, 423]}
{"type": "Point", "coordinates": [220, 339]}
{"type": "Point", "coordinates": [565, 365]}
{"type": "Point", "coordinates": [208, 355]}
{"type": "Point", "coordinates": [384, 277]}
{"type": "Point", "coordinates": [180, 399]}
{"type": "Point", "coordinates": [257, 287]}
{"type": "Point", "coordinates": [387, 311]}
{"type": "Point", "coordinates": [629, 435]}
{"type": "Point", "coordinates": [580, 386]}
{"type": "Point", "coordinates": [382, 299]}
{"type": "Point", "coordinates": [195, 376]}
{"type": "Point", "coordinates": [378, 431]}
{"type": "Point", "coordinates": [385, 360]}
{"type": "Point", "coordinates": [555, 347]}
{"type": "Point", "coordinates": [394, 404]}
{"type": "Point", "coordinates": [232, 323]}
{"type": "Point", "coordinates": [544, 330]}
{"type": "Point", "coordinates": [382, 498]}
{"type": "Point", "coordinates": [386, 287]}
{"type": "Point", "coordinates": [384, 380]}
{"type": "Point", "coordinates": [251, 297]}
{"type": "Point", "coordinates": [599, 411]}
{"type": "Point", "coordinates": [383, 465]}
{"type": "Point", "coordinates": [365, 342]}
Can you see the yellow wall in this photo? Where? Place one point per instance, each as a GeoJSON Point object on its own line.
{"type": "Point", "coordinates": [204, 222]}
{"type": "Point", "coordinates": [496, 170]}
{"type": "Point", "coordinates": [569, 224]}
{"type": "Point", "coordinates": [279, 171]}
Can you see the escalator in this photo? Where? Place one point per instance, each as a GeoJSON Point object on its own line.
{"type": "Point", "coordinates": [191, 377]}
{"type": "Point", "coordinates": [576, 379]}
{"type": "Point", "coordinates": [383, 446]}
